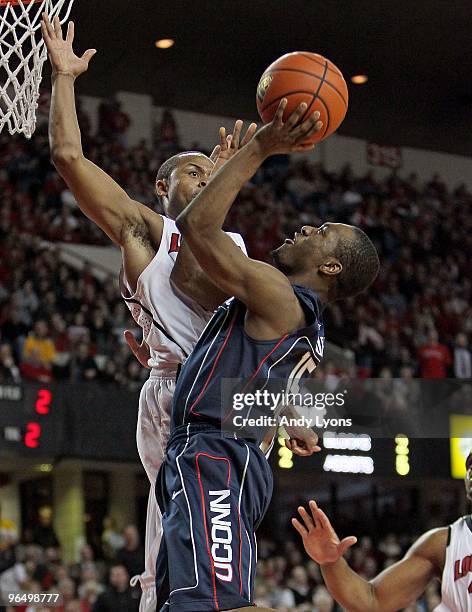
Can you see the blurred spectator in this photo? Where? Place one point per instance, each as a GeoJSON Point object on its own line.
{"type": "Point", "coordinates": [462, 358]}
{"type": "Point", "coordinates": [9, 371]}
{"type": "Point", "coordinates": [131, 555]}
{"type": "Point", "coordinates": [322, 600]}
{"type": "Point", "coordinates": [300, 586]}
{"type": "Point", "coordinates": [434, 357]}
{"type": "Point", "coordinates": [38, 353]}
{"type": "Point", "coordinates": [112, 540]}
{"type": "Point", "coordinates": [118, 597]}
{"type": "Point", "coordinates": [44, 534]}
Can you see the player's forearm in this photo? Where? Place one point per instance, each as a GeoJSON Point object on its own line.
{"type": "Point", "coordinates": [208, 210]}
{"type": "Point", "coordinates": [64, 133]}
{"type": "Point", "coordinates": [348, 588]}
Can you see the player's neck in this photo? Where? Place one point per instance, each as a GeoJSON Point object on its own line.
{"type": "Point", "coordinates": [314, 284]}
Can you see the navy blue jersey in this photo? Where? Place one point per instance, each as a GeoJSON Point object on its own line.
{"type": "Point", "coordinates": [225, 351]}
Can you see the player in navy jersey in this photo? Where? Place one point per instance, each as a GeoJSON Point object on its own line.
{"type": "Point", "coordinates": [215, 487]}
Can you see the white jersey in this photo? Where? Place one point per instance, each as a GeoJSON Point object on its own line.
{"type": "Point", "coordinates": [456, 589]}
{"type": "Point", "coordinates": [171, 322]}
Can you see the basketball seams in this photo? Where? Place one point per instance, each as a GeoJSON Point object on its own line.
{"type": "Point", "coordinates": [310, 74]}
{"type": "Point", "coordinates": [331, 67]}
{"type": "Point", "coordinates": [287, 93]}
{"type": "Point", "coordinates": [316, 93]}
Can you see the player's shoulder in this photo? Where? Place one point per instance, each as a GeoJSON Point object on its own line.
{"type": "Point", "coordinates": [432, 546]}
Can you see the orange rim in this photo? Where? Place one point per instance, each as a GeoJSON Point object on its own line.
{"type": "Point", "coordinates": [5, 2]}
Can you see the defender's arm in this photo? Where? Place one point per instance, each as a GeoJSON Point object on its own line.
{"type": "Point", "coordinates": [393, 589]}
{"type": "Point", "coordinates": [127, 222]}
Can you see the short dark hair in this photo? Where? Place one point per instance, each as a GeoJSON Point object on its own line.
{"type": "Point", "coordinates": [360, 262]}
{"type": "Point", "coordinates": [169, 165]}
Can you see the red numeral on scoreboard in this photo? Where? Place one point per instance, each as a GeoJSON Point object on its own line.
{"type": "Point", "coordinates": [43, 401]}
{"type": "Point", "coordinates": [32, 435]}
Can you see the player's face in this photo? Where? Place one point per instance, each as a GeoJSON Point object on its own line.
{"type": "Point", "coordinates": [468, 477]}
{"type": "Point", "coordinates": [310, 248]}
{"type": "Point", "coordinates": [186, 182]}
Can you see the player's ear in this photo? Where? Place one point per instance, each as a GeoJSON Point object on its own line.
{"type": "Point", "coordinates": [162, 187]}
{"type": "Point", "coordinates": [331, 267]}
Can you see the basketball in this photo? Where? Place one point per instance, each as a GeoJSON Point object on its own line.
{"type": "Point", "coordinates": [307, 77]}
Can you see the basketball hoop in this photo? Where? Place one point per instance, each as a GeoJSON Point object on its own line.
{"type": "Point", "coordinates": [22, 55]}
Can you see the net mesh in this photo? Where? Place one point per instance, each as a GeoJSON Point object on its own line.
{"type": "Point", "coordinates": [22, 55]}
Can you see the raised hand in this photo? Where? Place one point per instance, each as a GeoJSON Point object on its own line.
{"type": "Point", "coordinates": [319, 538]}
{"type": "Point", "coordinates": [231, 143]}
{"type": "Point", "coordinates": [61, 54]}
{"type": "Point", "coordinates": [303, 441]}
{"type": "Point", "coordinates": [278, 137]}
{"type": "Point", "coordinates": [140, 351]}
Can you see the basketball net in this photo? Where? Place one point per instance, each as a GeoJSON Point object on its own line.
{"type": "Point", "coordinates": [22, 55]}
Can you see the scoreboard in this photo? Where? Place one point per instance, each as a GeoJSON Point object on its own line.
{"type": "Point", "coordinates": [360, 454]}
{"type": "Point", "coordinates": [30, 423]}
{"type": "Point", "coordinates": [96, 421]}
{"type": "Point", "coordinates": [84, 420]}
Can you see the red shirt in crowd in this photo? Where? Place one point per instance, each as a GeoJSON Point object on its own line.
{"type": "Point", "coordinates": [434, 360]}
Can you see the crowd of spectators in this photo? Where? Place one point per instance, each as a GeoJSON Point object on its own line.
{"type": "Point", "coordinates": [58, 323]}
{"type": "Point", "coordinates": [98, 581]}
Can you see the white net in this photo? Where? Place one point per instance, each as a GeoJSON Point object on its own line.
{"type": "Point", "coordinates": [22, 55]}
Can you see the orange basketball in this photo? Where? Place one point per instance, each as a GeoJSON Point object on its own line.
{"type": "Point", "coordinates": [304, 77]}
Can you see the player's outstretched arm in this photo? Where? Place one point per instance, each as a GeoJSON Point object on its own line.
{"type": "Point", "coordinates": [124, 220]}
{"type": "Point", "coordinates": [393, 589]}
{"type": "Point", "coordinates": [187, 274]}
{"type": "Point", "coordinates": [266, 291]}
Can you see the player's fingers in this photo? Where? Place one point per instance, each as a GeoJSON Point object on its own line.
{"type": "Point", "coordinates": [346, 543]}
{"type": "Point", "coordinates": [45, 33]}
{"type": "Point", "coordinates": [251, 130]}
{"type": "Point", "coordinates": [312, 129]}
{"type": "Point", "coordinates": [236, 134]}
{"type": "Point", "coordinates": [215, 154]}
{"type": "Point", "coordinates": [296, 115]}
{"type": "Point", "coordinates": [303, 148]}
{"type": "Point", "coordinates": [87, 56]}
{"type": "Point", "coordinates": [307, 519]}
{"type": "Point", "coordinates": [57, 27]}
{"type": "Point", "coordinates": [301, 451]}
{"type": "Point", "coordinates": [319, 516]}
{"type": "Point", "coordinates": [306, 127]}
{"type": "Point", "coordinates": [70, 32]}
{"type": "Point", "coordinates": [299, 527]}
{"type": "Point", "coordinates": [223, 143]}
{"type": "Point", "coordinates": [49, 28]}
{"type": "Point", "coordinates": [280, 112]}
{"type": "Point", "coordinates": [131, 341]}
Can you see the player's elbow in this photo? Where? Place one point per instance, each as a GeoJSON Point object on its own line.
{"type": "Point", "coordinates": [65, 156]}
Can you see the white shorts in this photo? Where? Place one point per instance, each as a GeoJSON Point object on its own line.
{"type": "Point", "coordinates": [155, 405]}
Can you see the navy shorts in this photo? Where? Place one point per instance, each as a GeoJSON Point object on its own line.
{"type": "Point", "coordinates": [213, 492]}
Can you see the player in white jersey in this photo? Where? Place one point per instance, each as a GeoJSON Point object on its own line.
{"type": "Point", "coordinates": [159, 273]}
{"type": "Point", "coordinates": [444, 553]}
{"type": "Point", "coordinates": [171, 323]}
